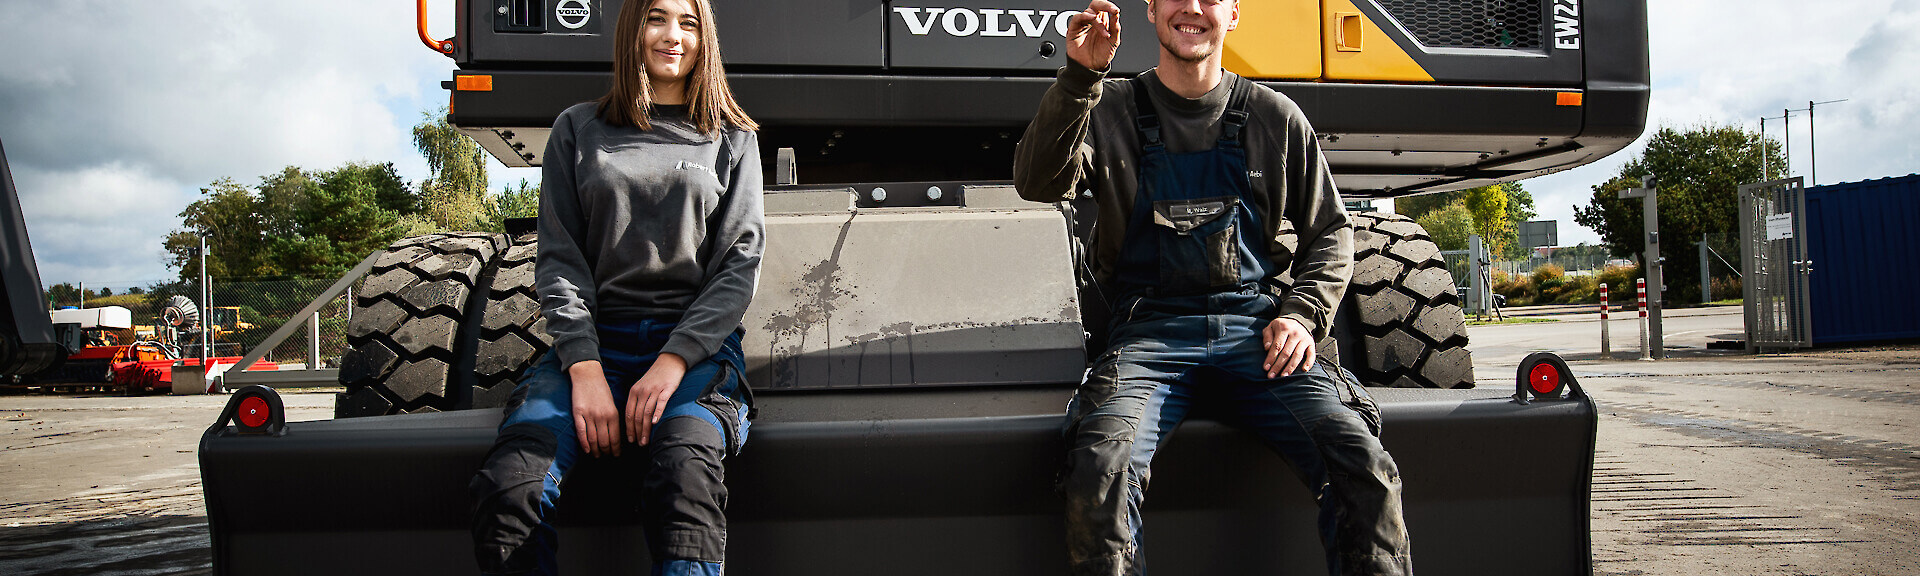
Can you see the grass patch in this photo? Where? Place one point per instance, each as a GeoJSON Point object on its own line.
{"type": "Point", "coordinates": [1511, 320]}
{"type": "Point", "coordinates": [1727, 302]}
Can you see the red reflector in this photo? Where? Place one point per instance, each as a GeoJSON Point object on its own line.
{"type": "Point", "coordinates": [1569, 98]}
{"type": "Point", "coordinates": [254, 412]}
{"type": "Point", "coordinates": [1544, 379]}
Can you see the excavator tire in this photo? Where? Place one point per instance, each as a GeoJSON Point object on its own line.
{"type": "Point", "coordinates": [513, 333]}
{"type": "Point", "coordinates": [1401, 325]}
{"type": "Point", "coordinates": [409, 339]}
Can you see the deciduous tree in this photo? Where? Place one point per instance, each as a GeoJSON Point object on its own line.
{"type": "Point", "coordinates": [1700, 172]}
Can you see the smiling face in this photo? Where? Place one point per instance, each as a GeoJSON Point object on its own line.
{"type": "Point", "coordinates": [671, 39]}
{"type": "Point", "coordinates": [1193, 30]}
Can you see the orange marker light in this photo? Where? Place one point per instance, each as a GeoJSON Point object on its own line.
{"type": "Point", "coordinates": [1569, 98]}
{"type": "Point", "coordinates": [481, 83]}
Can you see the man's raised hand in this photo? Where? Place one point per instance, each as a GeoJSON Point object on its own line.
{"type": "Point", "coordinates": [1094, 34]}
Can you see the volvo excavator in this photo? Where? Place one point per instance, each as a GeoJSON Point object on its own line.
{"type": "Point", "coordinates": [911, 374]}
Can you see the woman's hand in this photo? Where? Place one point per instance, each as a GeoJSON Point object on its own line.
{"type": "Point", "coordinates": [1094, 34]}
{"type": "Point", "coordinates": [596, 421]}
{"type": "Point", "coordinates": [648, 398]}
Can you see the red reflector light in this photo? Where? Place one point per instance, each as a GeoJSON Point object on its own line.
{"type": "Point", "coordinates": [1544, 379]}
{"type": "Point", "coordinates": [1569, 98]}
{"type": "Point", "coordinates": [254, 412]}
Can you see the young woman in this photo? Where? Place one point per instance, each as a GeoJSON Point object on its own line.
{"type": "Point", "coordinates": [650, 241]}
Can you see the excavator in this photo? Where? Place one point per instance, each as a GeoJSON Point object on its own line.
{"type": "Point", "coordinates": [911, 374]}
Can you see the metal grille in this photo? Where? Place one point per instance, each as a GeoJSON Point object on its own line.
{"type": "Point", "coordinates": [1773, 235]}
{"type": "Point", "coordinates": [1471, 23]}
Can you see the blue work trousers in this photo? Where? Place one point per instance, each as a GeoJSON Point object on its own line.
{"type": "Point", "coordinates": [683, 494]}
{"type": "Point", "coordinates": [1166, 356]}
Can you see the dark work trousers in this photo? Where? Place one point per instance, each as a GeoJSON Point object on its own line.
{"type": "Point", "coordinates": [683, 495]}
{"type": "Point", "coordinates": [1191, 302]}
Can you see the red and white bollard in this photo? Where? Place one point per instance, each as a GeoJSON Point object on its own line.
{"type": "Point", "coordinates": [1646, 353]}
{"type": "Point", "coordinates": [1606, 336]}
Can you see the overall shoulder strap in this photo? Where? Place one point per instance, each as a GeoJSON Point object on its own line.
{"type": "Point", "coordinates": [1145, 120]}
{"type": "Point", "coordinates": [1235, 117]}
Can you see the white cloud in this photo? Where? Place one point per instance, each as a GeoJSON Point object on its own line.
{"type": "Point", "coordinates": [1734, 62]}
{"type": "Point", "coordinates": [164, 97]}
{"type": "Point", "coordinates": [103, 224]}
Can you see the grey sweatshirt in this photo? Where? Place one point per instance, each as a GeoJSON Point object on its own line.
{"type": "Point", "coordinates": [655, 224]}
{"type": "Point", "coordinates": [1083, 137]}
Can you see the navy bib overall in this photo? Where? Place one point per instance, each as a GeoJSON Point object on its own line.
{"type": "Point", "coordinates": [1187, 330]}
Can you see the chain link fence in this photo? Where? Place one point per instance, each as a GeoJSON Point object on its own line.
{"type": "Point", "coordinates": [249, 311]}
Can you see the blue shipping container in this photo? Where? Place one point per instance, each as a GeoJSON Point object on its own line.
{"type": "Point", "coordinates": [1864, 240]}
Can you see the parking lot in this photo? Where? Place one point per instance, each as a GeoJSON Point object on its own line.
{"type": "Point", "coordinates": [1710, 462]}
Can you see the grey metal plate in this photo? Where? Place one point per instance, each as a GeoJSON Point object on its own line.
{"type": "Point", "coordinates": [935, 296]}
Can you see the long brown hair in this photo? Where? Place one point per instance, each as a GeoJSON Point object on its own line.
{"type": "Point", "coordinates": [710, 101]}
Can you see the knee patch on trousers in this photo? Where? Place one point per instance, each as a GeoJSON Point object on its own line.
{"type": "Point", "coordinates": [506, 495]}
{"type": "Point", "coordinates": [686, 494]}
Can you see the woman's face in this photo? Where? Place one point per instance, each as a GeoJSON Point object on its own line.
{"type": "Point", "coordinates": [672, 41]}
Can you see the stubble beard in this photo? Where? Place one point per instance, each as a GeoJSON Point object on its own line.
{"type": "Point", "coordinates": [1206, 52]}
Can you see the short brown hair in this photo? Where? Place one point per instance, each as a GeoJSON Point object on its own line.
{"type": "Point", "coordinates": [710, 101]}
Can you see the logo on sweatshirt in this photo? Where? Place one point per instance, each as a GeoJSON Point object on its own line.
{"type": "Point", "coordinates": [685, 165]}
{"type": "Point", "coordinates": [985, 21]}
{"type": "Point", "coordinates": [572, 13]}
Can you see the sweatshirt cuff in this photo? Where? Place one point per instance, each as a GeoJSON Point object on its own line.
{"type": "Point", "coordinates": [576, 350]}
{"type": "Point", "coordinates": [1309, 316]}
{"type": "Point", "coordinates": [1080, 81]}
{"type": "Point", "coordinates": [682, 345]}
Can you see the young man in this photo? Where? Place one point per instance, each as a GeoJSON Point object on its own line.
{"type": "Point", "coordinates": [1222, 248]}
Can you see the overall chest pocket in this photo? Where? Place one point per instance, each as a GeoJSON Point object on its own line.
{"type": "Point", "coordinates": [1199, 243]}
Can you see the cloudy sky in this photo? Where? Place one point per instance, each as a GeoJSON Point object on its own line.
{"type": "Point", "coordinates": [114, 113]}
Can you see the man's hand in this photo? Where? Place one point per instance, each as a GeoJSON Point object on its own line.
{"type": "Point", "coordinates": [1289, 347]}
{"type": "Point", "coordinates": [648, 398]}
{"type": "Point", "coordinates": [1094, 34]}
{"type": "Point", "coordinates": [596, 421]}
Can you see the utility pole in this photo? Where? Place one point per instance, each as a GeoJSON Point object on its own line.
{"type": "Point", "coordinates": [1765, 174]}
{"type": "Point", "coordinates": [206, 306]}
{"type": "Point", "coordinates": [1649, 197]}
{"type": "Point", "coordinates": [1786, 125]}
{"type": "Point", "coordinates": [1813, 160]}
{"type": "Point", "coordinates": [1706, 277]}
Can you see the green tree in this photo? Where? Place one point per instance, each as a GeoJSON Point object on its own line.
{"type": "Point", "coordinates": [1488, 206]}
{"type": "Point", "coordinates": [1700, 171]}
{"type": "Point", "coordinates": [520, 202]}
{"type": "Point", "coordinates": [229, 216]}
{"type": "Point", "coordinates": [1519, 209]}
{"type": "Point", "coordinates": [1495, 212]}
{"type": "Point", "coordinates": [454, 195]}
{"type": "Point", "coordinates": [335, 218]}
{"type": "Point", "coordinates": [1449, 226]}
{"type": "Point", "coordinates": [1414, 207]}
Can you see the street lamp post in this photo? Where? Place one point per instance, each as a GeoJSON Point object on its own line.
{"type": "Point", "coordinates": [1649, 197]}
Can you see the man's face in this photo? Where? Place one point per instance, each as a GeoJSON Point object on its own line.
{"type": "Point", "coordinates": [1193, 30]}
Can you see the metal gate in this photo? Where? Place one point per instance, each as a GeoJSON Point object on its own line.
{"type": "Point", "coordinates": [1773, 234]}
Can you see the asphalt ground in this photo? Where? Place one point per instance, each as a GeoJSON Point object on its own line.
{"type": "Point", "coordinates": [1710, 462]}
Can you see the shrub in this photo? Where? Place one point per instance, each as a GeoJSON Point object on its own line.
{"type": "Point", "coordinates": [1727, 289]}
{"type": "Point", "coordinates": [1619, 281]}
{"type": "Point", "coordinates": [1512, 286]}
{"type": "Point", "coordinates": [1577, 290]}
